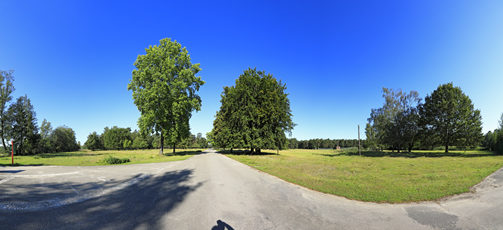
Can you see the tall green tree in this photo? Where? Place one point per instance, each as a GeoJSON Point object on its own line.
{"type": "Point", "coordinates": [24, 123]}
{"type": "Point", "coordinates": [255, 113]}
{"type": "Point", "coordinates": [45, 136]}
{"type": "Point", "coordinates": [6, 89]}
{"type": "Point", "coordinates": [449, 116]}
{"type": "Point", "coordinates": [164, 86]}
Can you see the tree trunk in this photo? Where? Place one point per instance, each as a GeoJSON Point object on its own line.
{"type": "Point", "coordinates": [174, 146]}
{"type": "Point", "coordinates": [162, 146]}
{"type": "Point", "coordinates": [446, 148]}
{"type": "Point", "coordinates": [231, 150]}
{"type": "Point", "coordinates": [251, 150]}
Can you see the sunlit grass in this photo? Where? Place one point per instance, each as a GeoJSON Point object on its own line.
{"type": "Point", "coordinates": [89, 158]}
{"type": "Point", "coordinates": [379, 176]}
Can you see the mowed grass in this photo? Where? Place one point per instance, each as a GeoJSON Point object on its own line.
{"type": "Point", "coordinates": [90, 158]}
{"type": "Point", "coordinates": [381, 177]}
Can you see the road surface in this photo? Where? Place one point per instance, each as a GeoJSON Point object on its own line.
{"type": "Point", "coordinates": [212, 191]}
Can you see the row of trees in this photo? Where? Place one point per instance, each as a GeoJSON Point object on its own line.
{"type": "Point", "coordinates": [254, 113]}
{"type": "Point", "coordinates": [293, 143]}
{"type": "Point", "coordinates": [446, 118]}
{"type": "Point", "coordinates": [18, 122]}
{"type": "Point", "coordinates": [123, 138]}
{"type": "Point", "coordinates": [493, 140]}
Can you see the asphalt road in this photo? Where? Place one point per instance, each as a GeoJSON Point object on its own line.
{"type": "Point", "coordinates": [211, 191]}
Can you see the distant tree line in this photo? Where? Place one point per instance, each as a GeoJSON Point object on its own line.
{"type": "Point", "coordinates": [122, 139]}
{"type": "Point", "coordinates": [493, 140]}
{"type": "Point", "coordinates": [446, 118]}
{"type": "Point", "coordinates": [18, 122]}
{"type": "Point", "coordinates": [293, 143]}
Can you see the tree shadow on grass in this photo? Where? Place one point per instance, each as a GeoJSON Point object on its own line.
{"type": "Point", "coordinates": [142, 205]}
{"type": "Point", "coordinates": [412, 154]}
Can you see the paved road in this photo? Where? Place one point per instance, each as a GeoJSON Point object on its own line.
{"type": "Point", "coordinates": [211, 191]}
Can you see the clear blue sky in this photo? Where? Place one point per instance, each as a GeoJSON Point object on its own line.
{"type": "Point", "coordinates": [74, 58]}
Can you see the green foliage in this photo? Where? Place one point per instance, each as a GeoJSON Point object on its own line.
{"type": "Point", "coordinates": [293, 143]}
{"type": "Point", "coordinates": [45, 135]}
{"type": "Point", "coordinates": [371, 136]}
{"type": "Point", "coordinates": [127, 144]}
{"type": "Point", "coordinates": [448, 115]}
{"type": "Point", "coordinates": [140, 143]}
{"type": "Point", "coordinates": [396, 123]}
{"type": "Point", "coordinates": [24, 128]}
{"type": "Point", "coordinates": [113, 160]}
{"type": "Point", "coordinates": [6, 89]}
{"type": "Point", "coordinates": [255, 113]}
{"type": "Point", "coordinates": [328, 143]}
{"type": "Point", "coordinates": [63, 140]}
{"type": "Point", "coordinates": [164, 89]}
{"type": "Point", "coordinates": [494, 140]}
{"type": "Point", "coordinates": [115, 137]}
{"type": "Point", "coordinates": [93, 142]}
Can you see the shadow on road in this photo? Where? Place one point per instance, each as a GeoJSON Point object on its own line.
{"type": "Point", "coordinates": [141, 205]}
{"type": "Point", "coordinates": [11, 171]}
{"type": "Point", "coordinates": [222, 226]}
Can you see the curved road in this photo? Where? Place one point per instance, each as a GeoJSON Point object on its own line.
{"type": "Point", "coordinates": [211, 191]}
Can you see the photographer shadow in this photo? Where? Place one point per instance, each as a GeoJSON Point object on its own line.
{"type": "Point", "coordinates": [222, 226]}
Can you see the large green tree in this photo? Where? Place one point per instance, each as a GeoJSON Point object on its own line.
{"type": "Point", "coordinates": [63, 139]}
{"type": "Point", "coordinates": [396, 123]}
{"type": "Point", "coordinates": [164, 86]}
{"type": "Point", "coordinates": [448, 115]}
{"type": "Point", "coordinates": [255, 113]}
{"type": "Point", "coordinates": [6, 89]}
{"type": "Point", "coordinates": [24, 123]}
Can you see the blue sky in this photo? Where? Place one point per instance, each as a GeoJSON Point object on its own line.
{"type": "Point", "coordinates": [74, 58]}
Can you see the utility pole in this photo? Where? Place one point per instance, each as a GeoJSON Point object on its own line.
{"type": "Point", "coordinates": [359, 147]}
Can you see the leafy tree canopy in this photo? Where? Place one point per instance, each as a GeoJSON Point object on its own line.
{"type": "Point", "coordinates": [255, 113]}
{"type": "Point", "coordinates": [164, 86]}
{"type": "Point", "coordinates": [449, 116]}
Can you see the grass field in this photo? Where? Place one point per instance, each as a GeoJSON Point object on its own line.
{"type": "Point", "coordinates": [89, 158]}
{"type": "Point", "coordinates": [381, 177]}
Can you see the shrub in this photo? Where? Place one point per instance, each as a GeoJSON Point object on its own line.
{"type": "Point", "coordinates": [113, 160]}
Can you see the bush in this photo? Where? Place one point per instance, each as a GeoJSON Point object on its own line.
{"type": "Point", "coordinates": [113, 160]}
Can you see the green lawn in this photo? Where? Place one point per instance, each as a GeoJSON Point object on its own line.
{"type": "Point", "coordinates": [381, 177]}
{"type": "Point", "coordinates": [89, 158]}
